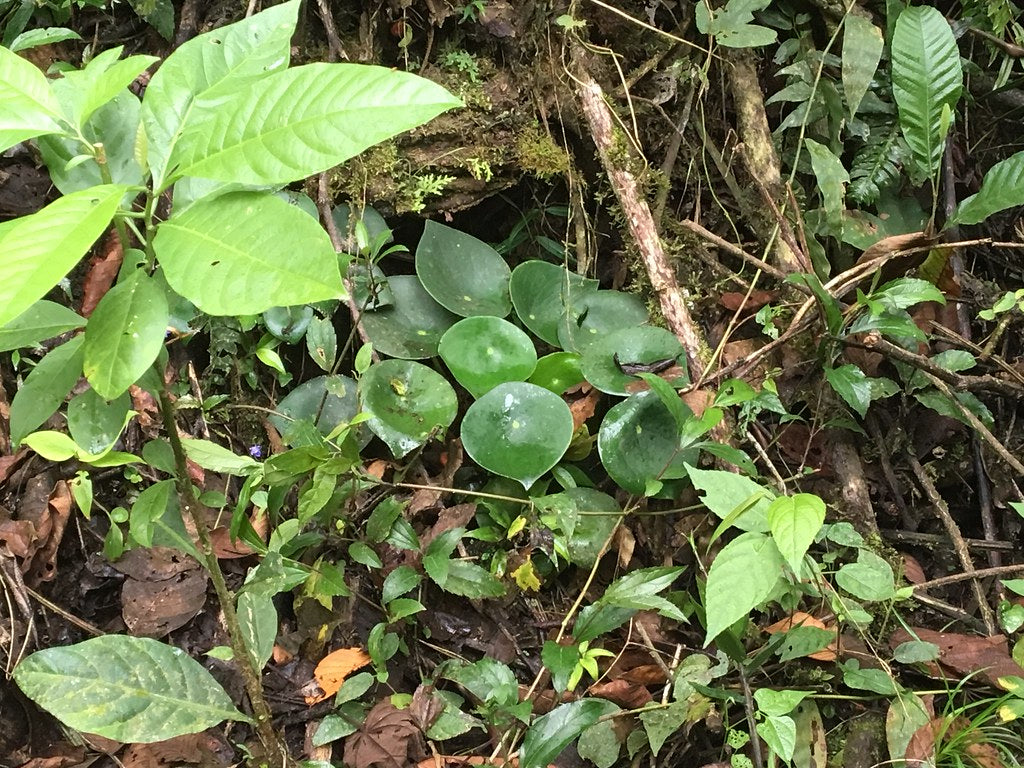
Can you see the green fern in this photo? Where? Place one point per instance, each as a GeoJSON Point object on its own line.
{"type": "Point", "coordinates": [877, 164]}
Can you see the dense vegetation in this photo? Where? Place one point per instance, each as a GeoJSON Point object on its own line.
{"type": "Point", "coordinates": [579, 383]}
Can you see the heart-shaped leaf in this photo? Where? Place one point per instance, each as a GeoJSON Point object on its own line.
{"type": "Point", "coordinates": [639, 443]}
{"type": "Point", "coordinates": [606, 359]}
{"type": "Point", "coordinates": [412, 326]}
{"type": "Point", "coordinates": [541, 291]}
{"type": "Point", "coordinates": [517, 430]}
{"type": "Point", "coordinates": [483, 352]}
{"type": "Point", "coordinates": [407, 403]}
{"type": "Point", "coordinates": [464, 275]}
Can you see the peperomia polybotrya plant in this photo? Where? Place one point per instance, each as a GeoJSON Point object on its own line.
{"type": "Point", "coordinates": [224, 124]}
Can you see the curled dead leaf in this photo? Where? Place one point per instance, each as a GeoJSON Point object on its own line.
{"type": "Point", "coordinates": [332, 670]}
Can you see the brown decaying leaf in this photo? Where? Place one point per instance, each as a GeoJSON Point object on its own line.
{"type": "Point", "coordinates": [583, 407]}
{"type": "Point", "coordinates": [450, 761]}
{"type": "Point", "coordinates": [164, 590]}
{"type": "Point", "coordinates": [801, 619]}
{"type": "Point", "coordinates": [226, 549]}
{"type": "Point", "coordinates": [103, 269]}
{"type": "Point", "coordinates": [385, 739]}
{"type": "Point", "coordinates": [912, 570]}
{"type": "Point", "coordinates": [332, 670]}
{"type": "Point", "coordinates": [456, 516]}
{"type": "Point", "coordinates": [733, 300]}
{"type": "Point", "coordinates": [36, 535]}
{"type": "Point", "coordinates": [206, 750]}
{"type": "Point", "coordinates": [922, 747]}
{"type": "Point", "coordinates": [622, 692]}
{"type": "Point", "coordinates": [959, 655]}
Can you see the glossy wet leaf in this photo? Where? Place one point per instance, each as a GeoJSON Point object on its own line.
{"type": "Point", "coordinates": [642, 345]}
{"type": "Point", "coordinates": [541, 291]}
{"type": "Point", "coordinates": [639, 443]}
{"type": "Point", "coordinates": [325, 401]}
{"type": "Point", "coordinates": [130, 689]}
{"type": "Point", "coordinates": [551, 733]}
{"type": "Point", "coordinates": [412, 326]}
{"type": "Point", "coordinates": [517, 430]}
{"type": "Point", "coordinates": [483, 352]}
{"type": "Point", "coordinates": [42, 321]}
{"type": "Point", "coordinates": [462, 273]}
{"type": "Point", "coordinates": [288, 324]}
{"type": "Point", "coordinates": [125, 334]}
{"type": "Point", "coordinates": [594, 315]}
{"type": "Point", "coordinates": [558, 372]}
{"type": "Point", "coordinates": [227, 256]}
{"type": "Point", "coordinates": [407, 403]}
{"type": "Point", "coordinates": [95, 423]}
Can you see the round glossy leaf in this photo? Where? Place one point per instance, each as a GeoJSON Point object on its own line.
{"type": "Point", "coordinates": [604, 360]}
{"type": "Point", "coordinates": [517, 430]}
{"type": "Point", "coordinates": [483, 352]}
{"type": "Point", "coordinates": [594, 315]}
{"type": "Point", "coordinates": [639, 442]}
{"type": "Point", "coordinates": [598, 513]}
{"type": "Point", "coordinates": [288, 324]}
{"type": "Point", "coordinates": [464, 275]}
{"type": "Point", "coordinates": [541, 291]}
{"type": "Point", "coordinates": [95, 423]}
{"type": "Point", "coordinates": [412, 327]}
{"type": "Point", "coordinates": [558, 372]}
{"type": "Point", "coordinates": [325, 401]}
{"type": "Point", "coordinates": [407, 403]}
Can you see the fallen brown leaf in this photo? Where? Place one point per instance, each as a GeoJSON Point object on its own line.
{"type": "Point", "coordinates": [332, 670]}
{"type": "Point", "coordinates": [384, 740]}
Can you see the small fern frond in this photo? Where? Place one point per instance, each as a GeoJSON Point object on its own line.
{"type": "Point", "coordinates": [877, 165]}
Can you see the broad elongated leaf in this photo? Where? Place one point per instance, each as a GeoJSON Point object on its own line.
{"type": "Point", "coordinates": [795, 521]}
{"type": "Point", "coordinates": [131, 689]}
{"type": "Point", "coordinates": [741, 578]}
{"type": "Point", "coordinates": [45, 388]}
{"type": "Point", "coordinates": [43, 320]}
{"type": "Point", "coordinates": [125, 334]}
{"type": "Point", "coordinates": [862, 50]}
{"type": "Point", "coordinates": [27, 106]}
{"type": "Point", "coordinates": [1002, 188]}
{"type": "Point", "coordinates": [82, 92]}
{"type": "Point", "coordinates": [210, 69]}
{"type": "Point", "coordinates": [926, 78]}
{"type": "Point", "coordinates": [551, 733]}
{"type": "Point", "coordinates": [245, 252]}
{"type": "Point", "coordinates": [301, 121]}
{"type": "Point", "coordinates": [38, 250]}
{"type": "Point", "coordinates": [463, 274]}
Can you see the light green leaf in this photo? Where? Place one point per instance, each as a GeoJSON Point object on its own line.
{"type": "Point", "coordinates": [298, 122]}
{"type": "Point", "coordinates": [42, 321]}
{"type": "Point", "coordinates": [33, 38]}
{"type": "Point", "coordinates": [832, 178]}
{"type": "Point", "coordinates": [870, 578]}
{"type": "Point", "coordinates": [257, 618]}
{"type": "Point", "coordinates": [125, 334]}
{"type": "Point", "coordinates": [551, 733]}
{"type": "Point", "coordinates": [794, 522]}
{"type": "Point", "coordinates": [725, 492]}
{"type": "Point", "coordinates": [661, 723]}
{"type": "Point", "coordinates": [131, 689]}
{"type": "Point", "coordinates": [217, 458]}
{"type": "Point", "coordinates": [82, 92]}
{"type": "Point", "coordinates": [779, 732]}
{"type": "Point", "coordinates": [38, 250]}
{"type": "Point", "coordinates": [94, 423]}
{"type": "Point", "coordinates": [45, 388]}
{"type": "Point", "coordinates": [210, 69]}
{"type": "Point", "coordinates": [926, 77]}
{"type": "Point", "coordinates": [1002, 188]}
{"type": "Point", "coordinates": [27, 106]}
{"type": "Point", "coordinates": [741, 578]}
{"type": "Point", "coordinates": [245, 252]}
{"type": "Point", "coordinates": [862, 50]}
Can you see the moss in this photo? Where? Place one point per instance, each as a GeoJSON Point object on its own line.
{"type": "Point", "coordinates": [536, 153]}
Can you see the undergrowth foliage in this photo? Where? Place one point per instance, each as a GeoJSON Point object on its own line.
{"type": "Point", "coordinates": [192, 178]}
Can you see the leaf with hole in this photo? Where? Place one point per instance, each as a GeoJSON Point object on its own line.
{"type": "Point", "coordinates": [483, 352]}
{"type": "Point", "coordinates": [517, 430]}
{"type": "Point", "coordinates": [407, 403]}
{"type": "Point", "coordinates": [245, 252]}
{"type": "Point", "coordinates": [130, 689]}
{"type": "Point", "coordinates": [465, 275]}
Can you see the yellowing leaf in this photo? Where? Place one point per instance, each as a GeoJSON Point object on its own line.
{"type": "Point", "coordinates": [526, 577]}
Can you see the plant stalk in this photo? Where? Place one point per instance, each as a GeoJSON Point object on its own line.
{"type": "Point", "coordinates": [276, 753]}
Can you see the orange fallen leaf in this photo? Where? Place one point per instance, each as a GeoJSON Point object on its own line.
{"type": "Point", "coordinates": [801, 619]}
{"type": "Point", "coordinates": [332, 670]}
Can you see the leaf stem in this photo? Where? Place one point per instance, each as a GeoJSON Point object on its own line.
{"type": "Point", "coordinates": [273, 745]}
